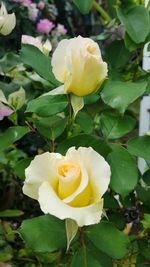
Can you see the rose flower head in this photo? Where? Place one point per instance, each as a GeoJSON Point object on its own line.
{"type": "Point", "coordinates": [77, 63]}
{"type": "Point", "coordinates": [69, 186]}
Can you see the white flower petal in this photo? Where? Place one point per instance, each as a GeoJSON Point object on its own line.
{"type": "Point", "coordinates": [97, 168]}
{"type": "Point", "coordinates": [9, 24]}
{"type": "Point", "coordinates": [41, 169]}
{"type": "Point", "coordinates": [52, 204]}
{"type": "Point", "coordinates": [58, 60]}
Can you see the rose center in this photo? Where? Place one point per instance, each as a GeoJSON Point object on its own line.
{"type": "Point", "coordinates": [68, 170]}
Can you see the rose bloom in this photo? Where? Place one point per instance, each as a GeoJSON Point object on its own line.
{"type": "Point", "coordinates": [78, 64]}
{"type": "Point", "coordinates": [7, 21]}
{"type": "Point", "coordinates": [69, 186]}
{"type": "Point", "coordinates": [45, 26]}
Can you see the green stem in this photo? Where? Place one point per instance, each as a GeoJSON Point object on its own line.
{"type": "Point", "coordinates": [103, 13]}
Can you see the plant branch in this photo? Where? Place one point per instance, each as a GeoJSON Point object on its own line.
{"type": "Point", "coordinates": [102, 12]}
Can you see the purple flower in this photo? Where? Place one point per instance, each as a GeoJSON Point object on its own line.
{"type": "Point", "coordinates": [5, 111]}
{"type": "Point", "coordinates": [45, 26]}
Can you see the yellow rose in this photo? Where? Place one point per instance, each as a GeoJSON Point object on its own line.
{"type": "Point", "coordinates": [7, 21]}
{"type": "Point", "coordinates": [78, 64]}
{"type": "Point", "coordinates": [69, 186]}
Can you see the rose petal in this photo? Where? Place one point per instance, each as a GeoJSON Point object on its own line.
{"type": "Point", "coordinates": [52, 204]}
{"type": "Point", "coordinates": [97, 168]}
{"type": "Point", "coordinates": [41, 169]}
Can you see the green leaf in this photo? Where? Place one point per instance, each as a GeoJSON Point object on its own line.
{"type": "Point", "coordinates": [140, 147]}
{"type": "Point", "coordinates": [124, 172]}
{"type": "Point", "coordinates": [34, 58]}
{"type": "Point", "coordinates": [117, 55]}
{"type": "Point", "coordinates": [120, 95]}
{"type": "Point", "coordinates": [136, 21]}
{"type": "Point", "coordinates": [77, 103]}
{"type": "Point", "coordinates": [83, 258]}
{"type": "Point", "coordinates": [11, 213]}
{"type": "Point", "coordinates": [103, 236]}
{"type": "Point", "coordinates": [17, 99]}
{"type": "Point", "coordinates": [143, 194]}
{"type": "Point", "coordinates": [51, 127]}
{"type": "Point", "coordinates": [83, 117]}
{"type": "Point", "coordinates": [71, 230]}
{"type": "Point", "coordinates": [84, 5]}
{"type": "Point", "coordinates": [146, 177]}
{"type": "Point", "coordinates": [114, 126]}
{"type": "Point", "coordinates": [20, 167]}
{"type": "Point", "coordinates": [11, 135]}
{"type": "Point", "coordinates": [46, 106]}
{"type": "Point", "coordinates": [101, 257]}
{"type": "Point", "coordinates": [44, 233]}
{"type": "Point", "coordinates": [85, 140]}
{"type": "Point", "coordinates": [130, 44]}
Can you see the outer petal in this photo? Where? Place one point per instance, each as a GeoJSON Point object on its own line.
{"type": "Point", "coordinates": [41, 169]}
{"type": "Point", "coordinates": [58, 60]}
{"type": "Point", "coordinates": [9, 24]}
{"type": "Point", "coordinates": [50, 203]}
{"type": "Point", "coordinates": [97, 168]}
{"type": "Point", "coordinates": [89, 80]}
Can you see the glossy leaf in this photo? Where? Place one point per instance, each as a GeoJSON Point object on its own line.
{"type": "Point", "coordinates": [103, 235]}
{"type": "Point", "coordinates": [51, 127]}
{"type": "Point", "coordinates": [34, 58]}
{"type": "Point", "coordinates": [120, 95]}
{"type": "Point", "coordinates": [140, 147]}
{"type": "Point", "coordinates": [124, 172]}
{"type": "Point", "coordinates": [20, 167]}
{"type": "Point", "coordinates": [44, 233]}
{"type": "Point", "coordinates": [136, 21]}
{"type": "Point", "coordinates": [85, 259]}
{"type": "Point", "coordinates": [46, 106]}
{"type": "Point", "coordinates": [114, 126]}
{"type": "Point", "coordinates": [11, 135]}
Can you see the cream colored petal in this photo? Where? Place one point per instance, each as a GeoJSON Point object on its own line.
{"type": "Point", "coordinates": [83, 184]}
{"type": "Point", "coordinates": [9, 24]}
{"type": "Point", "coordinates": [58, 60]}
{"type": "Point", "coordinates": [3, 10]}
{"type": "Point", "coordinates": [42, 168]}
{"type": "Point", "coordinates": [86, 76]}
{"type": "Point", "coordinates": [98, 170]}
{"type": "Point", "coordinates": [57, 91]}
{"type": "Point", "coordinates": [51, 204]}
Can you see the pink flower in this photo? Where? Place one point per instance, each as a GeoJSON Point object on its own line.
{"type": "Point", "coordinates": [33, 11]}
{"type": "Point", "coordinates": [5, 111]}
{"type": "Point", "coordinates": [41, 5]}
{"type": "Point", "coordinates": [26, 2]}
{"type": "Point", "coordinates": [45, 26]}
{"type": "Point", "coordinates": [61, 29]}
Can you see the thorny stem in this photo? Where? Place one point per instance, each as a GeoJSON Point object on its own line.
{"type": "Point", "coordinates": [103, 13]}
